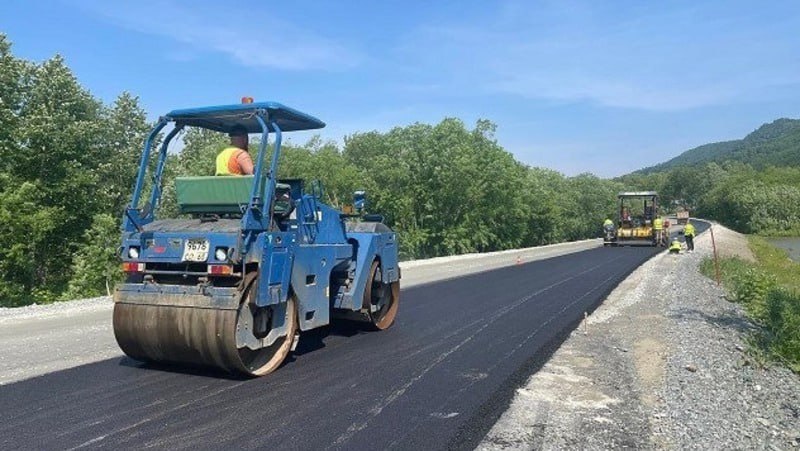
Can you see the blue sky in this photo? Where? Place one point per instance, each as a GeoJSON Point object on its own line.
{"type": "Point", "coordinates": [603, 87]}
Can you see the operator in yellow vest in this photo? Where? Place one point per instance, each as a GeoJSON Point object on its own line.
{"type": "Point", "coordinates": [688, 233]}
{"type": "Point", "coordinates": [658, 228]}
{"type": "Point", "coordinates": [234, 159]}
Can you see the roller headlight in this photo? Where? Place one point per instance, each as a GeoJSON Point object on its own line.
{"type": "Point", "coordinates": [221, 254]}
{"type": "Point", "coordinates": [133, 252]}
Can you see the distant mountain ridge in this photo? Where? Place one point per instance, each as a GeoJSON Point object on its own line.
{"type": "Point", "coordinates": [774, 144]}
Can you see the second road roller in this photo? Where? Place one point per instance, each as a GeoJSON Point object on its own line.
{"type": "Point", "coordinates": [250, 261]}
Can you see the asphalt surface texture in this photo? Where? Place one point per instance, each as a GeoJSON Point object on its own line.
{"type": "Point", "coordinates": [41, 339]}
{"type": "Point", "coordinates": [438, 379]}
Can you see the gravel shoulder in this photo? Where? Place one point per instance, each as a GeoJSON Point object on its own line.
{"type": "Point", "coordinates": [661, 364]}
{"type": "Point", "coordinates": [39, 339]}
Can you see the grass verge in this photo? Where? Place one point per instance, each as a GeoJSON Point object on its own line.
{"type": "Point", "coordinates": [769, 291]}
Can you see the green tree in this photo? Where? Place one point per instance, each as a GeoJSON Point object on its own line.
{"type": "Point", "coordinates": [445, 188]}
{"type": "Point", "coordinates": [65, 159]}
{"type": "Point", "coordinates": [48, 150]}
{"type": "Point", "coordinates": [544, 191]}
{"type": "Point", "coordinates": [323, 161]}
{"type": "Point", "coordinates": [95, 266]}
{"type": "Point", "coordinates": [591, 200]}
{"type": "Point", "coordinates": [125, 128]}
{"type": "Point", "coordinates": [199, 153]}
{"type": "Point", "coordinates": [13, 85]}
{"type": "Point", "coordinates": [26, 239]}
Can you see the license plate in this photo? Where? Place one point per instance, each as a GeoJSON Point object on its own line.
{"type": "Point", "coordinates": [195, 251]}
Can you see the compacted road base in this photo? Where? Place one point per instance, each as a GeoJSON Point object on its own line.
{"type": "Point", "coordinates": [438, 379]}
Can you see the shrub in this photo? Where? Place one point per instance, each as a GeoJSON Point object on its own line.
{"type": "Point", "coordinates": [768, 292]}
{"type": "Point", "coordinates": [96, 266]}
{"type": "Point", "coordinates": [734, 273]}
{"type": "Point", "coordinates": [750, 288]}
{"type": "Point", "coordinates": [748, 284]}
{"type": "Point", "coordinates": [782, 321]}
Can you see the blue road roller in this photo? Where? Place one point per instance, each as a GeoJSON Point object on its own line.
{"type": "Point", "coordinates": [251, 261]}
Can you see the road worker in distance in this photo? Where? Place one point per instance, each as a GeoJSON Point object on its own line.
{"type": "Point", "coordinates": [658, 228]}
{"type": "Point", "coordinates": [688, 233]}
{"type": "Point", "coordinates": [234, 159]}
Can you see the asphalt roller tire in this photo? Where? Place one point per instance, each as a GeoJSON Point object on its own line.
{"type": "Point", "coordinates": [381, 300]}
{"type": "Point", "coordinates": [199, 336]}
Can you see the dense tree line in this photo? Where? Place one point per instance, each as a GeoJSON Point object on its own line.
{"type": "Point", "coordinates": [68, 163]}
{"type": "Point", "coordinates": [763, 201]}
{"type": "Point", "coordinates": [66, 167]}
{"type": "Point", "coordinates": [446, 188]}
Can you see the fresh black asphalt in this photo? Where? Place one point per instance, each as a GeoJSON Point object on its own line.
{"type": "Point", "coordinates": [439, 378]}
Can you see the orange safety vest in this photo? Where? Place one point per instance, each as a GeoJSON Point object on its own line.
{"type": "Point", "coordinates": [227, 161]}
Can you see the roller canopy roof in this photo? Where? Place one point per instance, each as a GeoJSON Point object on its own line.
{"type": "Point", "coordinates": [223, 118]}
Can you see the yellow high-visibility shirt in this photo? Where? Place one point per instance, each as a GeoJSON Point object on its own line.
{"type": "Point", "coordinates": [688, 230]}
{"type": "Point", "coordinates": [658, 224]}
{"type": "Point", "coordinates": [608, 222]}
{"type": "Point", "coordinates": [227, 163]}
{"type": "Point", "coordinates": [675, 246]}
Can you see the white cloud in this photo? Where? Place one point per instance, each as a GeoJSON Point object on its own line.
{"type": "Point", "coordinates": [248, 37]}
{"type": "Point", "coordinates": [642, 56]}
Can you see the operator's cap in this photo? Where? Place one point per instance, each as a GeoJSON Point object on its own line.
{"type": "Point", "coordinates": [238, 130]}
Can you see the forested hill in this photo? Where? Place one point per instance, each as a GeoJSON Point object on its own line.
{"type": "Point", "coordinates": [773, 144]}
